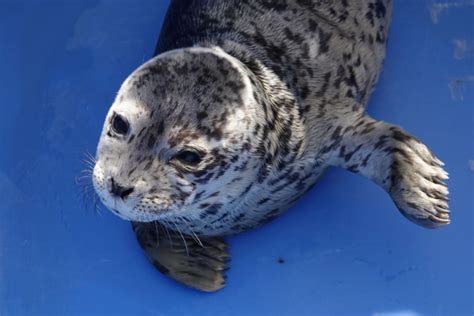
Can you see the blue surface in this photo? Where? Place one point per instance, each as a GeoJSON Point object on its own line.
{"type": "Point", "coordinates": [346, 248]}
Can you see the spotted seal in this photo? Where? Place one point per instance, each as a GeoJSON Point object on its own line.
{"type": "Point", "coordinates": [244, 106]}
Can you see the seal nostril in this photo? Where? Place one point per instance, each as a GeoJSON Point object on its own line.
{"type": "Point", "coordinates": [118, 190]}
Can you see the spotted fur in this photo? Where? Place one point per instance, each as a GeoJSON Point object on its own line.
{"type": "Point", "coordinates": [272, 93]}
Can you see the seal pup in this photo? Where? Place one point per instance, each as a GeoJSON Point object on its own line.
{"type": "Point", "coordinates": [242, 109]}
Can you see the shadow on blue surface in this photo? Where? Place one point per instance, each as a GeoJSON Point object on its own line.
{"type": "Point", "coordinates": [346, 249]}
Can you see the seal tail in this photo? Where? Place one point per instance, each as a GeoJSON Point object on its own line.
{"type": "Point", "coordinates": [199, 263]}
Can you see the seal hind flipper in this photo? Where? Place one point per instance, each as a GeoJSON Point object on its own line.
{"type": "Point", "coordinates": [396, 161]}
{"type": "Point", "coordinates": [199, 263]}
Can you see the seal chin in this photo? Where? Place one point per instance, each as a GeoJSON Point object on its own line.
{"type": "Point", "coordinates": [137, 217]}
{"type": "Point", "coordinates": [133, 214]}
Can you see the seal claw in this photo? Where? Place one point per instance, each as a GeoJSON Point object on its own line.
{"type": "Point", "coordinates": [418, 188]}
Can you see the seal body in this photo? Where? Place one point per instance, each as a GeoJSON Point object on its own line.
{"type": "Point", "coordinates": [242, 109]}
{"type": "Point", "coordinates": [313, 56]}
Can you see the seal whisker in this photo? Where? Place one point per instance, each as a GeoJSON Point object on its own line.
{"type": "Point", "coordinates": [97, 208]}
{"type": "Point", "coordinates": [82, 178]}
{"type": "Point", "coordinates": [157, 234]}
{"type": "Point", "coordinates": [89, 161]}
{"type": "Point", "coordinates": [167, 233]}
{"type": "Point", "coordinates": [90, 156]}
{"type": "Point", "coordinates": [90, 164]}
{"type": "Point", "coordinates": [84, 196]}
{"type": "Point", "coordinates": [84, 182]}
{"type": "Point", "coordinates": [85, 174]}
{"type": "Point", "coordinates": [87, 193]}
{"type": "Point", "coordinates": [88, 171]}
{"type": "Point", "coordinates": [194, 236]}
{"type": "Point", "coordinates": [182, 237]}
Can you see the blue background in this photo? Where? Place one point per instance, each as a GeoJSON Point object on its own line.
{"type": "Point", "coordinates": [346, 248]}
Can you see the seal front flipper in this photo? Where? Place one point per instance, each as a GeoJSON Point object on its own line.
{"type": "Point", "coordinates": [197, 262]}
{"type": "Point", "coordinates": [396, 161]}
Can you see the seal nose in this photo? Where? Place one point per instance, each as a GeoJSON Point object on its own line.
{"type": "Point", "coordinates": [118, 190]}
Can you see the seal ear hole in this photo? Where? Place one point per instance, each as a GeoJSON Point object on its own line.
{"type": "Point", "coordinates": [189, 157]}
{"type": "Point", "coordinates": [120, 125]}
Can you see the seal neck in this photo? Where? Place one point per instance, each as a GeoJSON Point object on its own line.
{"type": "Point", "coordinates": [281, 140]}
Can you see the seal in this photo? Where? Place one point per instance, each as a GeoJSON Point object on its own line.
{"type": "Point", "coordinates": [243, 108]}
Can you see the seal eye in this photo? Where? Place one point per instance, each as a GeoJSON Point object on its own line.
{"type": "Point", "coordinates": [119, 125]}
{"type": "Point", "coordinates": [189, 157]}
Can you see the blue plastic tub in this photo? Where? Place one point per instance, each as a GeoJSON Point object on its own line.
{"type": "Point", "coordinates": [346, 250]}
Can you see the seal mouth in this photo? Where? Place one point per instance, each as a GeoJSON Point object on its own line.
{"type": "Point", "coordinates": [142, 211]}
{"type": "Point", "coordinates": [145, 209]}
{"type": "Point", "coordinates": [137, 202]}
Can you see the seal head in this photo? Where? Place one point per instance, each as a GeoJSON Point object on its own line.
{"type": "Point", "coordinates": [178, 122]}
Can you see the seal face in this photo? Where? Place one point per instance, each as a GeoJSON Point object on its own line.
{"type": "Point", "coordinates": [245, 106]}
{"type": "Point", "coordinates": [186, 138]}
